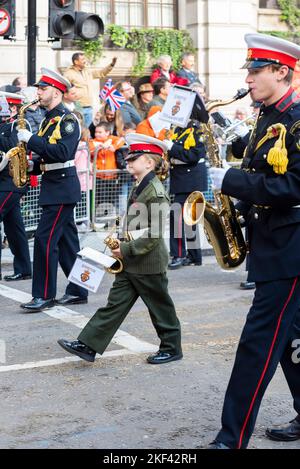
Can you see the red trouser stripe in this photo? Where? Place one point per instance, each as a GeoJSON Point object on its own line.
{"type": "Point", "coordinates": [180, 240]}
{"type": "Point", "coordinates": [4, 202]}
{"type": "Point", "coordinates": [267, 363]}
{"type": "Point", "coordinates": [48, 252]}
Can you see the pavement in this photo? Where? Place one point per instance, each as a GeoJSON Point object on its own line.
{"type": "Point", "coordinates": [50, 399]}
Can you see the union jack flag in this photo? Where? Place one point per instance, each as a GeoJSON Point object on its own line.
{"type": "Point", "coordinates": [111, 95]}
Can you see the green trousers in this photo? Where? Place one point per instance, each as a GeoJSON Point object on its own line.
{"type": "Point", "coordinates": [126, 289]}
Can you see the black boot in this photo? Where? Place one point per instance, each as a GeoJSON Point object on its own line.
{"type": "Point", "coordinates": [71, 300]}
{"type": "Point", "coordinates": [163, 357]}
{"type": "Point", "coordinates": [38, 304]}
{"type": "Point", "coordinates": [217, 445]}
{"type": "Point", "coordinates": [176, 263]}
{"type": "Point", "coordinates": [247, 285]}
{"type": "Point", "coordinates": [290, 432]}
{"type": "Point", "coordinates": [78, 348]}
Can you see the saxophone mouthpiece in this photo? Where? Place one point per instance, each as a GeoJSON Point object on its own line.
{"type": "Point", "coordinates": [241, 93]}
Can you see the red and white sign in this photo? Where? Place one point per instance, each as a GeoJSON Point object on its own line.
{"type": "Point", "coordinates": [5, 21]}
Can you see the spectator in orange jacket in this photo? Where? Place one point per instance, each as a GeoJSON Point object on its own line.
{"type": "Point", "coordinates": [145, 127]}
{"type": "Point", "coordinates": [106, 144]}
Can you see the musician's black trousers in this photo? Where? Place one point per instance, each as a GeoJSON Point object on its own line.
{"type": "Point", "coordinates": [183, 238]}
{"type": "Point", "coordinates": [10, 214]}
{"type": "Point", "coordinates": [56, 241]}
{"type": "Point", "coordinates": [271, 335]}
{"type": "Point", "coordinates": [126, 289]}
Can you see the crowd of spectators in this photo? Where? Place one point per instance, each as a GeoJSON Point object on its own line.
{"type": "Point", "coordinates": [103, 131]}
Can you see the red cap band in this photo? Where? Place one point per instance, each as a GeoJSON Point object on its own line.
{"type": "Point", "coordinates": [55, 83]}
{"type": "Point", "coordinates": [14, 100]}
{"type": "Point", "coordinates": [284, 59]}
{"type": "Point", "coordinates": [134, 147]}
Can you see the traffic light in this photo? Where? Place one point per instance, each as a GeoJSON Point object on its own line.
{"type": "Point", "coordinates": [66, 23]}
{"type": "Point", "coordinates": [7, 18]}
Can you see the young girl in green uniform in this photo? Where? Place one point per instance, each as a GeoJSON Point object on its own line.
{"type": "Point", "coordinates": [145, 261]}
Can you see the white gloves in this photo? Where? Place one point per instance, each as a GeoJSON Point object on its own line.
{"type": "Point", "coordinates": [241, 130]}
{"type": "Point", "coordinates": [24, 135]}
{"type": "Point", "coordinates": [169, 144]}
{"type": "Point", "coordinates": [30, 165]}
{"type": "Point", "coordinates": [217, 175]}
{"type": "Point", "coordinates": [4, 161]}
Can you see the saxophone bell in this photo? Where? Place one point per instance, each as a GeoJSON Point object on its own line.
{"type": "Point", "coordinates": [194, 208]}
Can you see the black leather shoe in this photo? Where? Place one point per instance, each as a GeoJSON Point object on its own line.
{"type": "Point", "coordinates": [217, 445]}
{"type": "Point", "coordinates": [13, 277]}
{"type": "Point", "coordinates": [38, 304]}
{"type": "Point", "coordinates": [290, 432]}
{"type": "Point", "coordinates": [163, 357]}
{"type": "Point", "coordinates": [78, 348]}
{"type": "Point", "coordinates": [176, 263]}
{"type": "Point", "coordinates": [188, 261]}
{"type": "Point", "coordinates": [71, 300]}
{"type": "Point", "coordinates": [247, 285]}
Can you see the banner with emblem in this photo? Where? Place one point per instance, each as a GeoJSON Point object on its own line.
{"type": "Point", "coordinates": [88, 270]}
{"type": "Point", "coordinates": [4, 107]}
{"type": "Point", "coordinates": [178, 106]}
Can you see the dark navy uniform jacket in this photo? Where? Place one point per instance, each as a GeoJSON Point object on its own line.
{"type": "Point", "coordinates": [270, 200]}
{"type": "Point", "coordinates": [188, 171]}
{"type": "Point", "coordinates": [59, 186]}
{"type": "Point", "coordinates": [8, 140]}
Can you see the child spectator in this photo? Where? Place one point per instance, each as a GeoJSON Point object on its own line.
{"type": "Point", "coordinates": [103, 147]}
{"type": "Point", "coordinates": [125, 179]}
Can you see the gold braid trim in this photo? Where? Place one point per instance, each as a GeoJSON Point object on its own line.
{"type": "Point", "coordinates": [56, 135]}
{"type": "Point", "coordinates": [277, 156]}
{"type": "Point", "coordinates": [189, 141]}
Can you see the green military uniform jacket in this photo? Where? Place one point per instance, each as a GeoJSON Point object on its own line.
{"type": "Point", "coordinates": [148, 253]}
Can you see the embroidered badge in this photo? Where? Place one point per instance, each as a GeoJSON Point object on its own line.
{"type": "Point", "coordinates": [69, 127]}
{"type": "Point", "coordinates": [295, 131]}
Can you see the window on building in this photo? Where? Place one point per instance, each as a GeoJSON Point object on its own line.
{"type": "Point", "coordinates": [134, 13]}
{"type": "Point", "coordinates": [270, 4]}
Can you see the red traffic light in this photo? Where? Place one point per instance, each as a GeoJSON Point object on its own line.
{"type": "Point", "coordinates": [64, 3]}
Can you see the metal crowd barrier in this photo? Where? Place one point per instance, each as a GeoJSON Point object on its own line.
{"type": "Point", "coordinates": [31, 211]}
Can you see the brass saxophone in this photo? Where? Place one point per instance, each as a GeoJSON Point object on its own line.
{"type": "Point", "coordinates": [17, 155]}
{"type": "Point", "coordinates": [221, 225]}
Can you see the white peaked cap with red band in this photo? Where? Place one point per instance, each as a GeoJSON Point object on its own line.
{"type": "Point", "coordinates": [140, 144]}
{"type": "Point", "coordinates": [52, 78]}
{"type": "Point", "coordinates": [12, 98]}
{"type": "Point", "coordinates": [264, 49]}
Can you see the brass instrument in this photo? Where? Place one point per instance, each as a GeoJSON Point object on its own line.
{"type": "Point", "coordinates": [17, 155]}
{"type": "Point", "coordinates": [112, 243]}
{"type": "Point", "coordinates": [221, 224]}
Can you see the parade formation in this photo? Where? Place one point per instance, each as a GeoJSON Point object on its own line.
{"type": "Point", "coordinates": [172, 165]}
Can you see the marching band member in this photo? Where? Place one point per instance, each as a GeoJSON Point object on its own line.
{"type": "Point", "coordinates": [10, 196]}
{"type": "Point", "coordinates": [145, 262]}
{"type": "Point", "coordinates": [268, 187]}
{"type": "Point", "coordinates": [188, 173]}
{"type": "Point", "coordinates": [56, 239]}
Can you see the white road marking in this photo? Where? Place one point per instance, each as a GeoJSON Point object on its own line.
{"type": "Point", "coordinates": [59, 361]}
{"type": "Point", "coordinates": [130, 343]}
